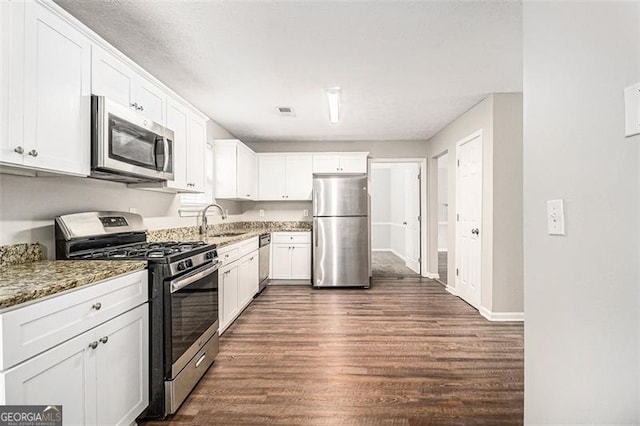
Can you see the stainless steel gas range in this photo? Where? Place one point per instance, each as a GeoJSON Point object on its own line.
{"type": "Point", "coordinates": [183, 297]}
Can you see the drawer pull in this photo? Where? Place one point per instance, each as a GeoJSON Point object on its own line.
{"type": "Point", "coordinates": [93, 345]}
{"type": "Point", "coordinates": [104, 339]}
{"type": "Point", "coordinates": [199, 361]}
{"type": "Point", "coordinates": [97, 306]}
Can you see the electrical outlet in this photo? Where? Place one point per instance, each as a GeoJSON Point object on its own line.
{"type": "Point", "coordinates": [305, 213]}
{"type": "Point", "coordinates": [261, 213]}
{"type": "Point", "coordinates": [133, 210]}
{"type": "Point", "coordinates": [555, 217]}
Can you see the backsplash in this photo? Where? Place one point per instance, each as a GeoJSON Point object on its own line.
{"type": "Point", "coordinates": [20, 253]}
{"type": "Point", "coordinates": [176, 234]}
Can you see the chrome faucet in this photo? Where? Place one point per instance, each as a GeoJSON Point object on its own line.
{"type": "Point", "coordinates": [203, 227]}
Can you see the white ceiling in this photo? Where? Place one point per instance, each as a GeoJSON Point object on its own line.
{"type": "Point", "coordinates": [406, 69]}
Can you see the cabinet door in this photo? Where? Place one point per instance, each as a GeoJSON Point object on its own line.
{"type": "Point", "coordinates": [178, 120]}
{"type": "Point", "coordinates": [271, 172]}
{"type": "Point", "coordinates": [326, 164]}
{"type": "Point", "coordinates": [110, 77]}
{"type": "Point", "coordinates": [299, 177]}
{"type": "Point", "coordinates": [254, 274]}
{"type": "Point", "coordinates": [64, 375]}
{"type": "Point", "coordinates": [57, 66]}
{"type": "Point", "coordinates": [196, 154]}
{"type": "Point", "coordinates": [356, 163]}
{"type": "Point", "coordinates": [230, 294]}
{"type": "Point", "coordinates": [122, 367]}
{"type": "Point", "coordinates": [244, 295]}
{"type": "Point", "coordinates": [247, 173]}
{"type": "Point", "coordinates": [226, 169]}
{"type": "Point", "coordinates": [151, 100]}
{"type": "Point", "coordinates": [301, 262]}
{"type": "Point", "coordinates": [11, 21]}
{"type": "Point", "coordinates": [281, 261]}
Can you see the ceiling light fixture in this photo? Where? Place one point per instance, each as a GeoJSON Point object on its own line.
{"type": "Point", "coordinates": [333, 95]}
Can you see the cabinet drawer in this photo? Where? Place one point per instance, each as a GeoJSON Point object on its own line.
{"type": "Point", "coordinates": [292, 237]}
{"type": "Point", "coordinates": [247, 247]}
{"type": "Point", "coordinates": [28, 331]}
{"type": "Point", "coordinates": [228, 254]}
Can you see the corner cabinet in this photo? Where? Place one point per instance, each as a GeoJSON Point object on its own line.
{"type": "Point", "coordinates": [285, 177]}
{"type": "Point", "coordinates": [340, 163]}
{"type": "Point", "coordinates": [291, 256]}
{"type": "Point", "coordinates": [101, 375]}
{"type": "Point", "coordinates": [49, 66]}
{"type": "Point", "coordinates": [236, 170]}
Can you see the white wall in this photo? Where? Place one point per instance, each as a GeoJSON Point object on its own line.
{"type": "Point", "coordinates": [443, 200]}
{"type": "Point", "coordinates": [581, 290]}
{"type": "Point", "coordinates": [380, 178]}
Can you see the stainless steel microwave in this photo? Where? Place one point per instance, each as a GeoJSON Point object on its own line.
{"type": "Point", "coordinates": [127, 147]}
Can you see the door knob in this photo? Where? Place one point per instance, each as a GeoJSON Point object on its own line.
{"type": "Point", "coordinates": [19, 150]}
{"type": "Point", "coordinates": [33, 153]}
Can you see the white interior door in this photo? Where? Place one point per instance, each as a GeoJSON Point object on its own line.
{"type": "Point", "coordinates": [469, 219]}
{"type": "Point", "coordinates": [412, 214]}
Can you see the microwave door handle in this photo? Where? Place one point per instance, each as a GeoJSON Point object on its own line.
{"type": "Point", "coordinates": [156, 147]}
{"type": "Point", "coordinates": [165, 167]}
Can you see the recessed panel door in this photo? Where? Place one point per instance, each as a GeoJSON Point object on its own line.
{"type": "Point", "coordinates": [469, 219]}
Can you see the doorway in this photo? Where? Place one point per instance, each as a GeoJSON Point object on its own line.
{"type": "Point", "coordinates": [395, 189]}
{"type": "Point", "coordinates": [469, 218]}
{"type": "Point", "coordinates": [443, 217]}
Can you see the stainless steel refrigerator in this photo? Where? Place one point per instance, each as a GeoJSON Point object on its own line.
{"type": "Point", "coordinates": [341, 231]}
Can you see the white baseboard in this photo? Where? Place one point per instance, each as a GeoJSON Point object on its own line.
{"type": "Point", "coordinates": [404, 259]}
{"type": "Point", "coordinates": [451, 290]}
{"type": "Point", "coordinates": [432, 275]}
{"type": "Point", "coordinates": [387, 250]}
{"type": "Point", "coordinates": [501, 316]}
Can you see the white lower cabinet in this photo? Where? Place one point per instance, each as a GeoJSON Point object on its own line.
{"type": "Point", "coordinates": [291, 256]}
{"type": "Point", "coordinates": [99, 377]}
{"type": "Point", "coordinates": [87, 350]}
{"type": "Point", "coordinates": [238, 280]}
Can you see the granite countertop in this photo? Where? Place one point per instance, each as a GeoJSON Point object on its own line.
{"type": "Point", "coordinates": [241, 230]}
{"type": "Point", "coordinates": [27, 282]}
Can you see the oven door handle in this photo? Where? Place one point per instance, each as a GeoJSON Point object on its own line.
{"type": "Point", "coordinates": [182, 282]}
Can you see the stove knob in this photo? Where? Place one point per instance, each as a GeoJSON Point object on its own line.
{"type": "Point", "coordinates": [209, 255]}
{"type": "Point", "coordinates": [189, 263]}
{"type": "Point", "coordinates": [181, 266]}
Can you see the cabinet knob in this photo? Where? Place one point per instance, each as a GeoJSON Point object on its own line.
{"type": "Point", "coordinates": [134, 105]}
{"type": "Point", "coordinates": [19, 150]}
{"type": "Point", "coordinates": [141, 108]}
{"type": "Point", "coordinates": [93, 345]}
{"type": "Point", "coordinates": [33, 153]}
{"type": "Point", "coordinates": [248, 195]}
{"type": "Point", "coordinates": [104, 339]}
{"type": "Point", "coordinates": [97, 306]}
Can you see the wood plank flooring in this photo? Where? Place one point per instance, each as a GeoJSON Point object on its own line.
{"type": "Point", "coordinates": [404, 352]}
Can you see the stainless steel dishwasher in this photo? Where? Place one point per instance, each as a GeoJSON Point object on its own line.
{"type": "Point", "coordinates": [264, 247]}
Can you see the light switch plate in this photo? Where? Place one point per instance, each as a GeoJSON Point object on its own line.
{"type": "Point", "coordinates": [632, 110]}
{"type": "Point", "coordinates": [305, 213]}
{"type": "Point", "coordinates": [261, 213]}
{"type": "Point", "coordinates": [555, 217]}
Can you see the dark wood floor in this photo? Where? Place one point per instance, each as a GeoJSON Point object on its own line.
{"type": "Point", "coordinates": [404, 352]}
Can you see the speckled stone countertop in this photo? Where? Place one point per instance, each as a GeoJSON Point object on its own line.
{"type": "Point", "coordinates": [241, 230]}
{"type": "Point", "coordinates": [26, 282]}
{"type": "Point", "coordinates": [20, 253]}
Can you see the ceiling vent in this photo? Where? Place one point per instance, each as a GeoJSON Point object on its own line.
{"type": "Point", "coordinates": [285, 111]}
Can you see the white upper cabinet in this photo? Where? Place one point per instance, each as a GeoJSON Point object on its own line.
{"type": "Point", "coordinates": [178, 121]}
{"type": "Point", "coordinates": [197, 140]}
{"type": "Point", "coordinates": [247, 173]}
{"type": "Point", "coordinates": [285, 176]}
{"type": "Point", "coordinates": [236, 168]}
{"type": "Point", "coordinates": [340, 163]}
{"type": "Point", "coordinates": [49, 103]}
{"type": "Point", "coordinates": [119, 82]}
